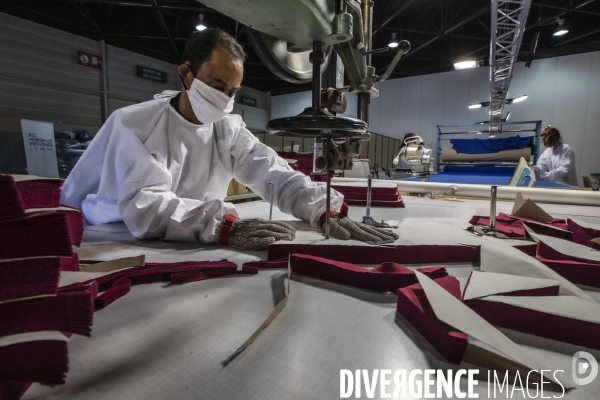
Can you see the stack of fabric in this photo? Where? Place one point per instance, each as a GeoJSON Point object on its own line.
{"type": "Point", "coordinates": [382, 194]}
{"type": "Point", "coordinates": [37, 239]}
{"type": "Point", "coordinates": [304, 162]}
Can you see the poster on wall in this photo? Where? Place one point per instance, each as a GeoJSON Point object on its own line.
{"type": "Point", "coordinates": [40, 148]}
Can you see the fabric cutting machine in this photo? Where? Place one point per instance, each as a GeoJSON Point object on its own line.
{"type": "Point", "coordinates": [295, 39]}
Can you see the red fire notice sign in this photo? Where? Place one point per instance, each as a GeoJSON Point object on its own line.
{"type": "Point", "coordinates": [89, 60]}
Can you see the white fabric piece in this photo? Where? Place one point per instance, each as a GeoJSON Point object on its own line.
{"type": "Point", "coordinates": [165, 177]}
{"type": "Point", "coordinates": [483, 284]}
{"type": "Point", "coordinates": [32, 337]}
{"type": "Point", "coordinates": [448, 155]}
{"type": "Point", "coordinates": [209, 104]}
{"type": "Point", "coordinates": [497, 256]}
{"type": "Point", "coordinates": [456, 314]}
{"type": "Point", "coordinates": [558, 165]}
{"type": "Point", "coordinates": [570, 249]}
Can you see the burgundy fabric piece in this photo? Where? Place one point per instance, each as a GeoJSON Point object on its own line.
{"type": "Point", "coordinates": [545, 251]}
{"type": "Point", "coordinates": [13, 390]}
{"type": "Point", "coordinates": [365, 254]}
{"type": "Point", "coordinates": [304, 161]}
{"type": "Point", "coordinates": [67, 312]}
{"type": "Point", "coordinates": [569, 330]}
{"type": "Point", "coordinates": [386, 278]}
{"type": "Point", "coordinates": [380, 196]}
{"type": "Point", "coordinates": [120, 288]}
{"type": "Point", "coordinates": [40, 193]}
{"type": "Point", "coordinates": [29, 277]}
{"type": "Point", "coordinates": [528, 248]}
{"type": "Point", "coordinates": [513, 226]}
{"type": "Point", "coordinates": [44, 361]}
{"type": "Point", "coordinates": [275, 264]}
{"type": "Point", "coordinates": [583, 273]}
{"type": "Point", "coordinates": [16, 197]}
{"type": "Point", "coordinates": [193, 276]}
{"type": "Point", "coordinates": [36, 235]}
{"type": "Point", "coordinates": [582, 235]}
{"type": "Point", "coordinates": [118, 283]}
{"type": "Point", "coordinates": [11, 205]}
{"type": "Point", "coordinates": [414, 306]}
{"type": "Point", "coordinates": [69, 263]}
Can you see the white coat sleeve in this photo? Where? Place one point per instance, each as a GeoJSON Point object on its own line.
{"type": "Point", "coordinates": [566, 164]}
{"type": "Point", "coordinates": [542, 164]}
{"type": "Point", "coordinates": [256, 164]}
{"type": "Point", "coordinates": [146, 203]}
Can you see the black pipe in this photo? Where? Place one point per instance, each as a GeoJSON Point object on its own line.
{"type": "Point", "coordinates": [317, 57]}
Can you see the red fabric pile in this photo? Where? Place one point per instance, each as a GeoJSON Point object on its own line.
{"type": "Point", "coordinates": [37, 240]}
{"type": "Point", "coordinates": [304, 161]}
{"type": "Point", "coordinates": [512, 226]}
{"type": "Point", "coordinates": [380, 196]}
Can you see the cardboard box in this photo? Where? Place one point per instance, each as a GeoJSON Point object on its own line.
{"type": "Point", "coordinates": [236, 188]}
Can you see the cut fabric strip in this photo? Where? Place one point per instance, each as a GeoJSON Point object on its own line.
{"type": "Point", "coordinates": [361, 253]}
{"type": "Point", "coordinates": [37, 192]}
{"type": "Point", "coordinates": [386, 277]}
{"type": "Point", "coordinates": [580, 272]}
{"type": "Point", "coordinates": [414, 306]}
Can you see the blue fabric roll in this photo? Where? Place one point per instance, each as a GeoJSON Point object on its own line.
{"type": "Point", "coordinates": [485, 146]}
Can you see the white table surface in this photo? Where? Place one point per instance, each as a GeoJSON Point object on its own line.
{"type": "Point", "coordinates": [168, 342]}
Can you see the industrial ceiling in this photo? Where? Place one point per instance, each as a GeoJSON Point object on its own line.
{"type": "Point", "coordinates": [440, 32]}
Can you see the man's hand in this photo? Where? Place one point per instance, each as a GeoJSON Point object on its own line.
{"type": "Point", "coordinates": [257, 233]}
{"type": "Point", "coordinates": [342, 227]}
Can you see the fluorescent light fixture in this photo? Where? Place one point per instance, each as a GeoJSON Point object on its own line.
{"type": "Point", "coordinates": [394, 42]}
{"type": "Point", "coordinates": [561, 29]}
{"type": "Point", "coordinates": [520, 98]}
{"type": "Point", "coordinates": [465, 64]}
{"type": "Point", "coordinates": [201, 26]}
{"type": "Point", "coordinates": [476, 105]}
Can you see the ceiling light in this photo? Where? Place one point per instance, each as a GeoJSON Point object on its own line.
{"type": "Point", "coordinates": [201, 25]}
{"type": "Point", "coordinates": [394, 41]}
{"type": "Point", "coordinates": [465, 64]}
{"type": "Point", "coordinates": [520, 98]}
{"type": "Point", "coordinates": [476, 105]}
{"type": "Point", "coordinates": [561, 28]}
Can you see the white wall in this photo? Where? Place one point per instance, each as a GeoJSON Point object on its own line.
{"type": "Point", "coordinates": [563, 92]}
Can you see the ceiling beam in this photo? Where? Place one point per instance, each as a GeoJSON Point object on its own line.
{"type": "Point", "coordinates": [543, 5]}
{"type": "Point", "coordinates": [164, 26]}
{"type": "Point", "coordinates": [403, 7]}
{"type": "Point", "coordinates": [433, 33]}
{"type": "Point", "coordinates": [146, 5]}
{"type": "Point", "coordinates": [578, 37]}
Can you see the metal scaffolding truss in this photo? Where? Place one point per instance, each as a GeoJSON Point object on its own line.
{"type": "Point", "coordinates": [507, 28]}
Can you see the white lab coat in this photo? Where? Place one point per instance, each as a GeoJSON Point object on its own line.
{"type": "Point", "coordinates": [166, 177]}
{"type": "Point", "coordinates": [558, 165]}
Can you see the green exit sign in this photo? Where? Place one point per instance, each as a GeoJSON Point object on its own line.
{"type": "Point", "coordinates": [150, 74]}
{"type": "Point", "coordinates": [248, 101]}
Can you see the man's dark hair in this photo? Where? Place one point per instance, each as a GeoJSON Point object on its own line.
{"type": "Point", "coordinates": [201, 44]}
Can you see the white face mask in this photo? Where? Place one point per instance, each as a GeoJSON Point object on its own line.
{"type": "Point", "coordinates": [209, 104]}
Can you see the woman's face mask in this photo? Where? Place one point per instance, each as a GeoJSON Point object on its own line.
{"type": "Point", "coordinates": [209, 104]}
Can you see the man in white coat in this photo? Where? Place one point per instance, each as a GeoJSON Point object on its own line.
{"type": "Point", "coordinates": [557, 162]}
{"type": "Point", "coordinates": [163, 166]}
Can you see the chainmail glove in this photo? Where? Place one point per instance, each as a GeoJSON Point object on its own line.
{"type": "Point", "coordinates": [257, 233]}
{"type": "Point", "coordinates": [342, 227]}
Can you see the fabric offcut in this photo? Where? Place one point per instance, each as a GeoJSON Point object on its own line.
{"type": "Point", "coordinates": [584, 235]}
{"type": "Point", "coordinates": [575, 269]}
{"type": "Point", "coordinates": [414, 306]}
{"type": "Point", "coordinates": [304, 161]}
{"type": "Point", "coordinates": [513, 226]}
{"type": "Point", "coordinates": [385, 277]}
{"type": "Point", "coordinates": [70, 312]}
{"type": "Point", "coordinates": [44, 361]}
{"type": "Point", "coordinates": [483, 146]}
{"type": "Point", "coordinates": [115, 285]}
